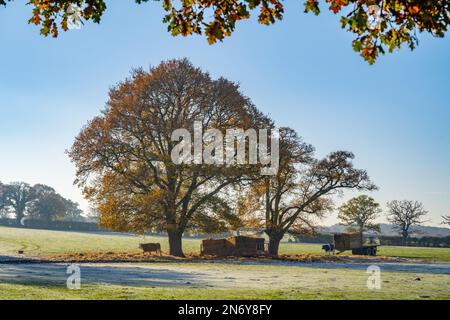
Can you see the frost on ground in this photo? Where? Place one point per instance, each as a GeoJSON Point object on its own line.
{"type": "Point", "coordinates": [232, 275]}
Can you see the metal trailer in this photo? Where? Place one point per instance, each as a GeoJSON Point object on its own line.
{"type": "Point", "coordinates": [352, 241]}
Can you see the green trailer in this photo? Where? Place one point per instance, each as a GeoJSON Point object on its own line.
{"type": "Point", "coordinates": [367, 246]}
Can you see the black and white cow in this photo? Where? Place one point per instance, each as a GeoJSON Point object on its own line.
{"type": "Point", "coordinates": [328, 248]}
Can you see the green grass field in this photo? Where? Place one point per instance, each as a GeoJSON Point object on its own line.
{"type": "Point", "coordinates": [222, 281]}
{"type": "Point", "coordinates": [41, 243]}
{"type": "Point", "coordinates": [196, 280]}
{"type": "Point", "coordinates": [110, 292]}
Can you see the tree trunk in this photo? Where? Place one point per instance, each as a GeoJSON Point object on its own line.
{"type": "Point", "coordinates": [274, 244]}
{"type": "Point", "coordinates": [175, 243]}
{"type": "Point", "coordinates": [405, 238]}
{"type": "Point", "coordinates": [19, 216]}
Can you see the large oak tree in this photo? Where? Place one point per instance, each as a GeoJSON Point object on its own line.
{"type": "Point", "coordinates": [377, 29]}
{"type": "Point", "coordinates": [123, 156]}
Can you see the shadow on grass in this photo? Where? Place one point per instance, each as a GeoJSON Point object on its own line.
{"type": "Point", "coordinates": [55, 275]}
{"type": "Point", "coordinates": [12, 259]}
{"type": "Point", "coordinates": [419, 267]}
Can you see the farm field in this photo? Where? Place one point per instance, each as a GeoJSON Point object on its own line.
{"type": "Point", "coordinates": [42, 243]}
{"type": "Point", "coordinates": [223, 281]}
{"type": "Point", "coordinates": [210, 279]}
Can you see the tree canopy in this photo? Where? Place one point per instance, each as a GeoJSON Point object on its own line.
{"type": "Point", "coordinates": [360, 214]}
{"type": "Point", "coordinates": [378, 26]}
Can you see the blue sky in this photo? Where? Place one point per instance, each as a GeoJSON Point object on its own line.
{"type": "Point", "coordinates": [394, 116]}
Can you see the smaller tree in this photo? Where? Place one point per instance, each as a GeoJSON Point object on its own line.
{"type": "Point", "coordinates": [446, 220]}
{"type": "Point", "coordinates": [360, 214]}
{"type": "Point", "coordinates": [73, 211]}
{"type": "Point", "coordinates": [49, 207]}
{"type": "Point", "coordinates": [404, 215]}
{"type": "Point", "coordinates": [300, 194]}
{"type": "Point", "coordinates": [19, 196]}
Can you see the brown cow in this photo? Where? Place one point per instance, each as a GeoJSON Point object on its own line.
{"type": "Point", "coordinates": [151, 247]}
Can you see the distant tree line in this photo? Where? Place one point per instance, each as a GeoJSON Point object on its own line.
{"type": "Point", "coordinates": [52, 225]}
{"type": "Point", "coordinates": [22, 202]}
{"type": "Point", "coordinates": [416, 241]}
{"type": "Point", "coordinates": [438, 242]}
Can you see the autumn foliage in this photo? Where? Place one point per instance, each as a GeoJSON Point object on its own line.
{"type": "Point", "coordinates": [397, 21]}
{"type": "Point", "coordinates": [123, 156]}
